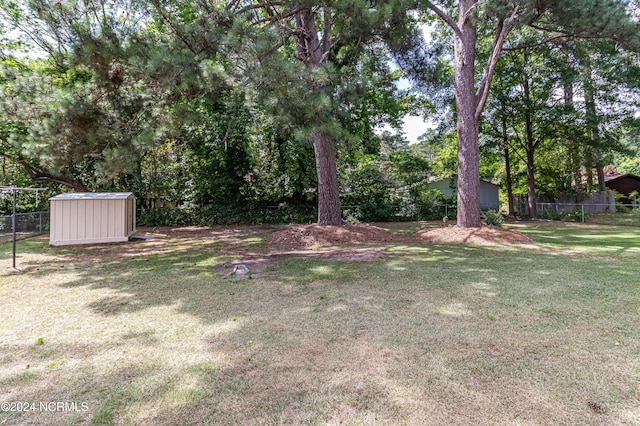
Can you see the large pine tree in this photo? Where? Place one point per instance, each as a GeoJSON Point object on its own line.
{"type": "Point", "coordinates": [299, 56]}
{"type": "Point", "coordinates": [466, 18]}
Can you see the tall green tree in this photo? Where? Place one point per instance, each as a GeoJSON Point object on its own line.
{"type": "Point", "coordinates": [525, 112]}
{"type": "Point", "coordinates": [302, 58]}
{"type": "Point", "coordinates": [498, 18]}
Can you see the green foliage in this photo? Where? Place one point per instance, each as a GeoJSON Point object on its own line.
{"type": "Point", "coordinates": [258, 213]}
{"type": "Point", "coordinates": [432, 204]}
{"type": "Point", "coordinates": [493, 218]}
{"type": "Point", "coordinates": [393, 189]}
{"type": "Point", "coordinates": [367, 190]}
{"type": "Point", "coordinates": [166, 216]}
{"type": "Point", "coordinates": [209, 115]}
{"type": "Point", "coordinates": [227, 214]}
{"type": "Point", "coordinates": [283, 169]}
{"type": "Point", "coordinates": [218, 154]}
{"type": "Point", "coordinates": [408, 168]}
{"type": "Point", "coordinates": [565, 215]}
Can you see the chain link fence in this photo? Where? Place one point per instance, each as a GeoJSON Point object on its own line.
{"type": "Point", "coordinates": [27, 225]}
{"type": "Point", "coordinates": [603, 214]}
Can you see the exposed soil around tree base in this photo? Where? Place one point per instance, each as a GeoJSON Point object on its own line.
{"type": "Point", "coordinates": [311, 235]}
{"type": "Point", "coordinates": [243, 243]}
{"type": "Point", "coordinates": [319, 242]}
{"type": "Point", "coordinates": [486, 235]}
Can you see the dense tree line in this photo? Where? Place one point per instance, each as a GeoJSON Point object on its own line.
{"type": "Point", "coordinates": [248, 111]}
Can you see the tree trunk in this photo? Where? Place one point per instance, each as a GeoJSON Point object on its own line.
{"type": "Point", "coordinates": [531, 186]}
{"type": "Point", "coordinates": [328, 190]}
{"type": "Point", "coordinates": [313, 53]}
{"type": "Point", "coordinates": [530, 148]}
{"type": "Point", "coordinates": [467, 124]}
{"type": "Point", "coordinates": [600, 169]}
{"type": "Point", "coordinates": [572, 162]}
{"type": "Point", "coordinates": [507, 166]}
{"type": "Point", "coordinates": [592, 122]}
{"type": "Point", "coordinates": [588, 166]}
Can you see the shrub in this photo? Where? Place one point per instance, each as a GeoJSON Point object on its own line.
{"type": "Point", "coordinates": [167, 216]}
{"type": "Point", "coordinates": [430, 205]}
{"type": "Point", "coordinates": [564, 215]}
{"type": "Point", "coordinates": [493, 218]}
{"type": "Point", "coordinates": [368, 191]}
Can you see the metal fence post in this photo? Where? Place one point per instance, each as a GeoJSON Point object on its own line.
{"type": "Point", "coordinates": [582, 213]}
{"type": "Point", "coordinates": [13, 225]}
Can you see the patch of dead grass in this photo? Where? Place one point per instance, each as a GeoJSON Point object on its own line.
{"type": "Point", "coordinates": [424, 335]}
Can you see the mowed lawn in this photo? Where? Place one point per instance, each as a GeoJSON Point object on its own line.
{"type": "Point", "coordinates": [428, 334]}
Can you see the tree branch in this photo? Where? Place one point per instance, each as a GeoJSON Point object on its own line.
{"type": "Point", "coordinates": [175, 28]}
{"type": "Point", "coordinates": [278, 17]}
{"type": "Point", "coordinates": [519, 140]}
{"type": "Point", "coordinates": [482, 94]}
{"type": "Point", "coordinates": [40, 174]}
{"type": "Point", "coordinates": [263, 5]}
{"type": "Point", "coordinates": [537, 44]}
{"type": "Point", "coordinates": [326, 34]}
{"type": "Point", "coordinates": [446, 18]}
{"type": "Point", "coordinates": [566, 33]}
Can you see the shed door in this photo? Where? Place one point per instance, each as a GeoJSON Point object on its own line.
{"type": "Point", "coordinates": [131, 208]}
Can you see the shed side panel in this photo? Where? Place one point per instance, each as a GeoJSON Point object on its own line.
{"type": "Point", "coordinates": [489, 197]}
{"type": "Point", "coordinates": [134, 214]}
{"type": "Point", "coordinates": [109, 231]}
{"type": "Point", "coordinates": [113, 212]}
{"type": "Point", "coordinates": [56, 215]}
{"type": "Point", "coordinates": [80, 222]}
{"type": "Point", "coordinates": [104, 219]}
{"type": "Point", "coordinates": [73, 220]}
{"type": "Point", "coordinates": [52, 221]}
{"type": "Point", "coordinates": [96, 223]}
{"type": "Point", "coordinates": [88, 217]}
{"type": "Point", "coordinates": [89, 212]}
{"type": "Point", "coordinates": [122, 217]}
{"type": "Point", "coordinates": [127, 217]}
{"type": "Point", "coordinates": [119, 207]}
{"type": "Point", "coordinates": [66, 221]}
{"type": "Point", "coordinates": [131, 215]}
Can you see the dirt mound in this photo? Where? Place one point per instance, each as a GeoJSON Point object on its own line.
{"type": "Point", "coordinates": [484, 235]}
{"type": "Point", "coordinates": [309, 235]}
{"type": "Point", "coordinates": [300, 236]}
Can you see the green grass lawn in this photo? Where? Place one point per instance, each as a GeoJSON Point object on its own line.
{"type": "Point", "coordinates": [429, 334]}
{"type": "Point", "coordinates": [618, 218]}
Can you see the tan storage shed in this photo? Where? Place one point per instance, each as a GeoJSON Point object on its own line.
{"type": "Point", "coordinates": [92, 217]}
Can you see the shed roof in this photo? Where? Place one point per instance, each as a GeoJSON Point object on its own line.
{"type": "Point", "coordinates": [612, 177]}
{"type": "Point", "coordinates": [92, 196]}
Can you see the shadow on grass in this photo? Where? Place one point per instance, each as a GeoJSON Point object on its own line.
{"type": "Point", "coordinates": [93, 393]}
{"type": "Point", "coordinates": [436, 334]}
{"type": "Point", "coordinates": [596, 239]}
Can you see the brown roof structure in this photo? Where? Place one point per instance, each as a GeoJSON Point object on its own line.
{"type": "Point", "coordinates": [623, 183]}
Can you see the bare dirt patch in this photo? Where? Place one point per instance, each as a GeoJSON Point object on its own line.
{"type": "Point", "coordinates": [313, 235]}
{"type": "Point", "coordinates": [483, 236]}
{"type": "Point", "coordinates": [260, 246]}
{"type": "Point", "coordinates": [258, 263]}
